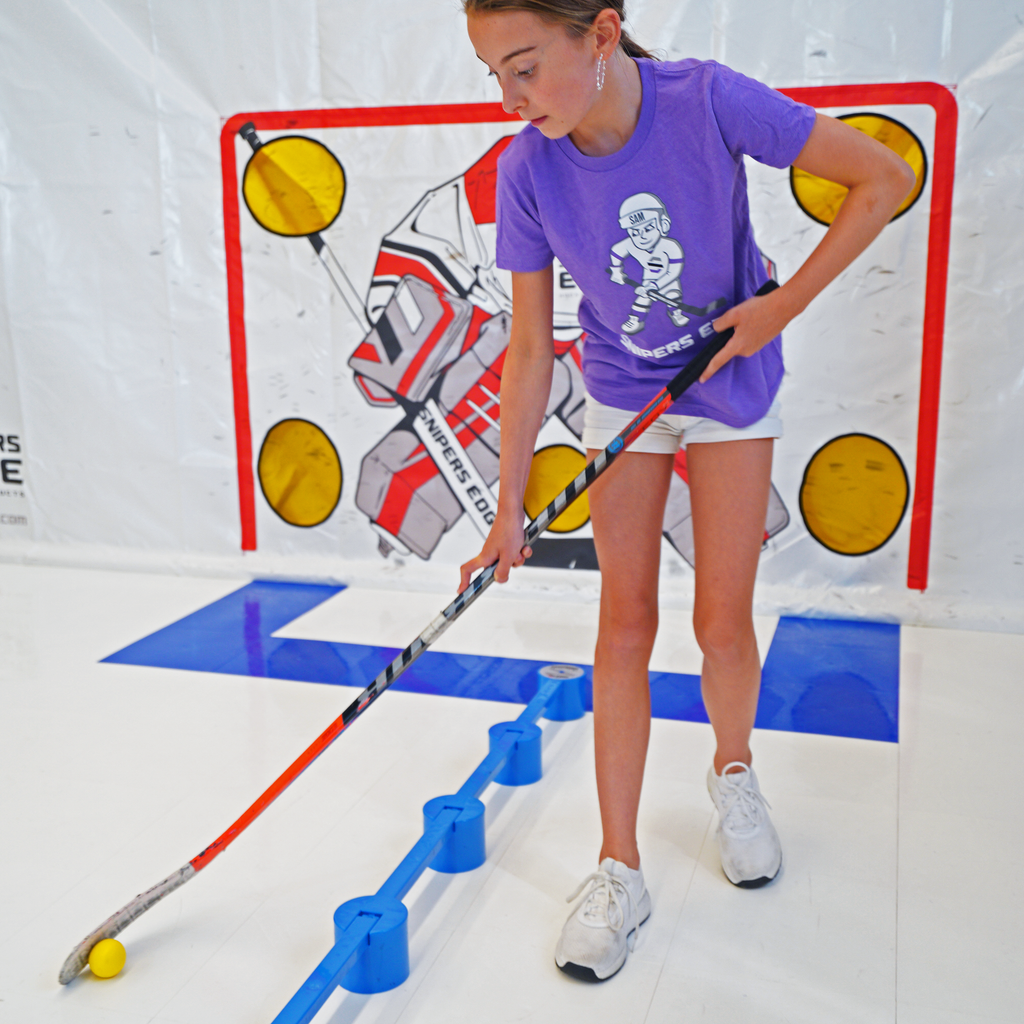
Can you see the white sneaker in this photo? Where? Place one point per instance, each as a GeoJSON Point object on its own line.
{"type": "Point", "coordinates": [747, 841]}
{"type": "Point", "coordinates": [601, 930]}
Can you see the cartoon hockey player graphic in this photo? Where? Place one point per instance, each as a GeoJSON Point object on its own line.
{"type": "Point", "coordinates": [645, 218]}
{"type": "Point", "coordinates": [661, 258]}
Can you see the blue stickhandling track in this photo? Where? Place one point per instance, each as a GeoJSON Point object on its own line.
{"type": "Point", "coordinates": [829, 677]}
{"type": "Point", "coordinates": [355, 941]}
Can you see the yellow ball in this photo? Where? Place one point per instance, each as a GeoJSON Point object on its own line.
{"type": "Point", "coordinates": [107, 958]}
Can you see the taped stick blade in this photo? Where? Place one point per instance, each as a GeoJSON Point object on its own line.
{"type": "Point", "coordinates": [116, 923]}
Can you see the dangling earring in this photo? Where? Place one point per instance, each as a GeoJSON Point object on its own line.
{"type": "Point", "coordinates": [600, 72]}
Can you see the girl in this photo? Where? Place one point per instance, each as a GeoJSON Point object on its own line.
{"type": "Point", "coordinates": [631, 173]}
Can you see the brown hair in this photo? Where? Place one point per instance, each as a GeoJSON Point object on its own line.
{"type": "Point", "coordinates": [576, 15]}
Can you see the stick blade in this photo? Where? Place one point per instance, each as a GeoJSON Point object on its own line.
{"type": "Point", "coordinates": [116, 923]}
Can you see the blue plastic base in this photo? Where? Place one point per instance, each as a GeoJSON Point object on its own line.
{"type": "Point", "coordinates": [523, 765]}
{"type": "Point", "coordinates": [567, 703]}
{"type": "Point", "coordinates": [465, 847]}
{"type": "Point", "coordinates": [384, 960]}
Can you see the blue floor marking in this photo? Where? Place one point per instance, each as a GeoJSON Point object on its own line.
{"type": "Point", "coordinates": [834, 677]}
{"type": "Point", "coordinates": [826, 676]}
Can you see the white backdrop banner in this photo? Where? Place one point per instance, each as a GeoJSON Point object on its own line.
{"type": "Point", "coordinates": [250, 308]}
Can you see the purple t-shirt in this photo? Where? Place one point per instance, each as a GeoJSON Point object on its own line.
{"type": "Point", "coordinates": [657, 236]}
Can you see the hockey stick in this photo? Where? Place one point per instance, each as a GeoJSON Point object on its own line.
{"type": "Point", "coordinates": [79, 956]}
{"type": "Point", "coordinates": [692, 310]}
{"type": "Point", "coordinates": [677, 303]}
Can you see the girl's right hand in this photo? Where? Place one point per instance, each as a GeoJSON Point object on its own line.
{"type": "Point", "coordinates": [504, 545]}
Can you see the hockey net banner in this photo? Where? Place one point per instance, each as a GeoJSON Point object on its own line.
{"type": "Point", "coordinates": [368, 329]}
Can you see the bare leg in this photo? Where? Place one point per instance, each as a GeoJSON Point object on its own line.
{"type": "Point", "coordinates": [729, 484]}
{"type": "Point", "coordinates": [627, 509]}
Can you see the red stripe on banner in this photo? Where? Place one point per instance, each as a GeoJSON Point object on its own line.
{"type": "Point", "coordinates": [396, 504]}
{"type": "Point", "coordinates": [236, 332]}
{"type": "Point", "coordinates": [942, 101]}
{"type": "Point", "coordinates": [490, 379]}
{"type": "Point", "coordinates": [943, 170]}
{"type": "Point", "coordinates": [403, 486]}
{"type": "Point", "coordinates": [366, 352]}
{"type": "Point", "coordinates": [680, 467]}
{"type": "Point", "coordinates": [481, 183]}
{"type": "Point", "coordinates": [465, 413]}
{"type": "Point", "coordinates": [576, 352]}
{"type": "Point", "coordinates": [372, 117]}
{"type": "Point", "coordinates": [375, 393]}
{"type": "Point", "coordinates": [497, 368]}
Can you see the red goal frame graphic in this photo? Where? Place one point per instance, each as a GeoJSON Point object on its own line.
{"type": "Point", "coordinates": [939, 97]}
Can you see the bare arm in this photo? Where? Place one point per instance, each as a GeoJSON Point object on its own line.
{"type": "Point", "coordinates": [878, 181]}
{"type": "Point", "coordinates": [525, 389]}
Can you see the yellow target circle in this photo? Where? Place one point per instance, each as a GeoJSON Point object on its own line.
{"type": "Point", "coordinates": [854, 494]}
{"type": "Point", "coordinates": [300, 472]}
{"type": "Point", "coordinates": [550, 472]}
{"type": "Point", "coordinates": [821, 199]}
{"type": "Point", "coordinates": [293, 186]}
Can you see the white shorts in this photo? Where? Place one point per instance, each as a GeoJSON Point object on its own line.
{"type": "Point", "coordinates": [665, 436]}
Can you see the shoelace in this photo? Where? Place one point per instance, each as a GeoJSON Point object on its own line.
{"type": "Point", "coordinates": [742, 807]}
{"type": "Point", "coordinates": [600, 899]}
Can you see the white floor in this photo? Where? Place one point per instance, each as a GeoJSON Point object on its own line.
{"type": "Point", "coordinates": [901, 898]}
